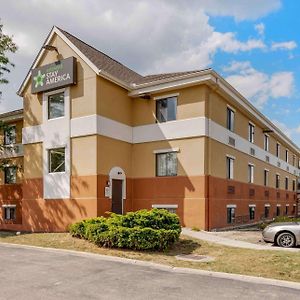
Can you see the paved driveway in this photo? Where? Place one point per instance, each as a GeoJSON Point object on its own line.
{"type": "Point", "coordinates": [33, 273]}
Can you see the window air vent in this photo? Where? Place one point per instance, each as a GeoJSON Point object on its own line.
{"type": "Point", "coordinates": [251, 192]}
{"type": "Point", "coordinates": [231, 141]}
{"type": "Point", "coordinates": [278, 164]}
{"type": "Point", "coordinates": [252, 151]}
{"type": "Point", "coordinates": [287, 168]}
{"type": "Point", "coordinates": [267, 158]}
{"type": "Point", "coordinates": [230, 189]}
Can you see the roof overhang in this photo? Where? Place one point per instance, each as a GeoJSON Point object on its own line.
{"type": "Point", "coordinates": [55, 30]}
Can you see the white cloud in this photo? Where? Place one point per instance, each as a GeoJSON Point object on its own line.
{"type": "Point", "coordinates": [258, 86]}
{"type": "Point", "coordinates": [260, 28]}
{"type": "Point", "coordinates": [148, 36]}
{"type": "Point", "coordinates": [290, 45]}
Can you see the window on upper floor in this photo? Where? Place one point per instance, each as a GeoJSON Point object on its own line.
{"type": "Point", "coordinates": [266, 142]}
{"type": "Point", "coordinates": [56, 105]}
{"type": "Point", "coordinates": [294, 160]}
{"type": "Point", "coordinates": [286, 155]}
{"type": "Point", "coordinates": [286, 183]}
{"type": "Point", "coordinates": [277, 178]}
{"type": "Point", "coordinates": [56, 160]}
{"type": "Point", "coordinates": [166, 164]}
{"type": "Point", "coordinates": [229, 167]}
{"type": "Point", "coordinates": [266, 177]}
{"type": "Point", "coordinates": [166, 109]}
{"type": "Point", "coordinates": [294, 185]}
{"type": "Point", "coordinates": [251, 133]}
{"type": "Point", "coordinates": [10, 175]}
{"type": "Point", "coordinates": [230, 119]}
{"type": "Point", "coordinates": [10, 135]}
{"type": "Point", "coordinates": [250, 173]}
{"type": "Point", "coordinates": [277, 150]}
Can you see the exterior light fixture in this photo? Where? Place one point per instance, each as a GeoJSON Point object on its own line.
{"type": "Point", "coordinates": [50, 48]}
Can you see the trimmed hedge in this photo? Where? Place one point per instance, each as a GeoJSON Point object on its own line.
{"type": "Point", "coordinates": [156, 229]}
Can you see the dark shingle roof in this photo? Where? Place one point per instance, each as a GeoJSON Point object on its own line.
{"type": "Point", "coordinates": [103, 61]}
{"type": "Point", "coordinates": [115, 68]}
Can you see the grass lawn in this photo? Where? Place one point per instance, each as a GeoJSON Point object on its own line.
{"type": "Point", "coordinates": [272, 264]}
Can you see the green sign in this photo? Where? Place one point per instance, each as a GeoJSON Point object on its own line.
{"type": "Point", "coordinates": [56, 75]}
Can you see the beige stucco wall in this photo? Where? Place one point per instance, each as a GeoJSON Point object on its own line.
{"type": "Point", "coordinates": [113, 102]}
{"type": "Point", "coordinates": [190, 104]}
{"type": "Point", "coordinates": [84, 155]}
{"type": "Point", "coordinates": [83, 94]}
{"type": "Point", "coordinates": [190, 157]}
{"type": "Point", "coordinates": [33, 161]}
{"type": "Point", "coordinates": [217, 111]}
{"type": "Point", "coordinates": [217, 166]}
{"type": "Point", "coordinates": [113, 153]}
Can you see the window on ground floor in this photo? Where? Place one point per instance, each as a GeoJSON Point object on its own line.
{"type": "Point", "coordinates": [294, 209]}
{"type": "Point", "coordinates": [10, 213]}
{"type": "Point", "coordinates": [172, 208]}
{"type": "Point", "coordinates": [267, 211]}
{"type": "Point", "coordinates": [251, 212]}
{"type": "Point", "coordinates": [57, 160]}
{"type": "Point", "coordinates": [278, 211]}
{"type": "Point", "coordinates": [166, 164]}
{"type": "Point", "coordinates": [230, 214]}
{"type": "Point", "coordinates": [286, 209]}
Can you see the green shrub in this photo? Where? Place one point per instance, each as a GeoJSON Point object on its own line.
{"type": "Point", "coordinates": [286, 219]}
{"type": "Point", "coordinates": [142, 230]}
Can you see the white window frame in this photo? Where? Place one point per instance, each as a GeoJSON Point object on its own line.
{"type": "Point", "coordinates": [169, 207]}
{"type": "Point", "coordinates": [250, 173]}
{"type": "Point", "coordinates": [266, 142]}
{"type": "Point", "coordinates": [277, 152]}
{"type": "Point", "coordinates": [9, 206]}
{"type": "Point", "coordinates": [49, 160]}
{"type": "Point", "coordinates": [251, 132]}
{"type": "Point", "coordinates": [266, 177]}
{"type": "Point", "coordinates": [230, 118]}
{"type": "Point", "coordinates": [230, 166]}
{"type": "Point", "coordinates": [51, 93]}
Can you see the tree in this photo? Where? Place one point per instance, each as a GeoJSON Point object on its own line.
{"type": "Point", "coordinates": [6, 46]}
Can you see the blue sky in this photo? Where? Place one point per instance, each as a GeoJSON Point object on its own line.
{"type": "Point", "coordinates": [253, 44]}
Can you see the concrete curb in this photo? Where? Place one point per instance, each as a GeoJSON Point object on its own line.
{"type": "Point", "coordinates": [243, 278]}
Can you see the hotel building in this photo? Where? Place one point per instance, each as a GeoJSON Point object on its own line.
{"type": "Point", "coordinates": [95, 136]}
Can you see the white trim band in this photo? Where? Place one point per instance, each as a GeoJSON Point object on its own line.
{"type": "Point", "coordinates": [164, 206]}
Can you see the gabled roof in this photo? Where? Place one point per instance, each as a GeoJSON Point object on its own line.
{"type": "Point", "coordinates": [14, 114]}
{"type": "Point", "coordinates": [104, 62]}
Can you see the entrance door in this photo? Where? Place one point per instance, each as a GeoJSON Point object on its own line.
{"type": "Point", "coordinates": [117, 205]}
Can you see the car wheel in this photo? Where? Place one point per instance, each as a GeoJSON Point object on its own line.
{"type": "Point", "coordinates": [286, 240]}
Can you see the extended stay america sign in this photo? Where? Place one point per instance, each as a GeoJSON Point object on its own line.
{"type": "Point", "coordinates": [58, 74]}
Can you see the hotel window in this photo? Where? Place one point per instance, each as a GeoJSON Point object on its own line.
{"type": "Point", "coordinates": [278, 211]}
{"type": "Point", "coordinates": [294, 160]}
{"type": "Point", "coordinates": [286, 183]}
{"type": "Point", "coordinates": [10, 135]}
{"type": "Point", "coordinates": [229, 167]}
{"type": "Point", "coordinates": [267, 211]}
{"type": "Point", "coordinates": [230, 119]}
{"type": "Point", "coordinates": [266, 142]}
{"type": "Point", "coordinates": [277, 149]}
{"type": "Point", "coordinates": [294, 185]}
{"type": "Point", "coordinates": [56, 105]}
{"type": "Point", "coordinates": [166, 109]}
{"type": "Point", "coordinates": [166, 164]}
{"type": "Point", "coordinates": [10, 213]}
{"type": "Point", "coordinates": [10, 175]}
{"type": "Point", "coordinates": [286, 210]}
{"type": "Point", "coordinates": [230, 214]}
{"type": "Point", "coordinates": [294, 209]}
{"type": "Point", "coordinates": [286, 155]}
{"type": "Point", "coordinates": [277, 181]}
{"type": "Point", "coordinates": [251, 133]}
{"type": "Point", "coordinates": [250, 173]}
{"type": "Point", "coordinates": [266, 177]}
{"type": "Point", "coordinates": [251, 212]}
{"type": "Point", "coordinates": [56, 160]}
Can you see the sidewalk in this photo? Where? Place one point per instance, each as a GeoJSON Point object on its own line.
{"type": "Point", "coordinates": [211, 237]}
